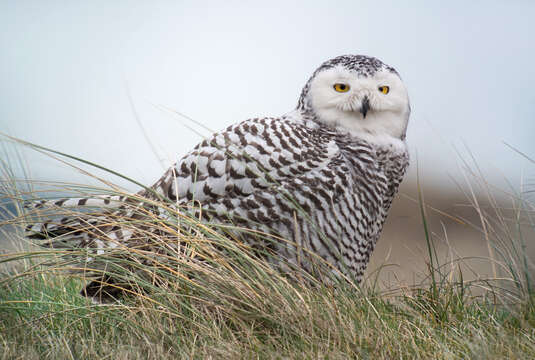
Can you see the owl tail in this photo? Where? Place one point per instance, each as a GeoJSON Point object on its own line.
{"type": "Point", "coordinates": [97, 201]}
{"type": "Point", "coordinates": [67, 220]}
{"type": "Point", "coordinates": [92, 231]}
{"type": "Point", "coordinates": [88, 224]}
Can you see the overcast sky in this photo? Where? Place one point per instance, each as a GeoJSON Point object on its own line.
{"type": "Point", "coordinates": [66, 68]}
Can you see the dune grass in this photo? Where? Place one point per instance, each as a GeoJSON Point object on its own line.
{"type": "Point", "coordinates": [204, 294]}
{"type": "Point", "coordinates": [43, 317]}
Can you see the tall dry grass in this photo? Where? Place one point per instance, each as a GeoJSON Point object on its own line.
{"type": "Point", "coordinates": [198, 292]}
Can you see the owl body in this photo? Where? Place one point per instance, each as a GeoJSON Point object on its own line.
{"type": "Point", "coordinates": [319, 180]}
{"type": "Point", "coordinates": [324, 190]}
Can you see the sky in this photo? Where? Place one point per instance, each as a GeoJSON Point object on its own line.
{"type": "Point", "coordinates": [105, 81]}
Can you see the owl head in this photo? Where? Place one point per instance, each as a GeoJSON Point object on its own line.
{"type": "Point", "coordinates": [359, 94]}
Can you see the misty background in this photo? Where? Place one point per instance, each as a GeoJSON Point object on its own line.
{"type": "Point", "coordinates": [103, 81]}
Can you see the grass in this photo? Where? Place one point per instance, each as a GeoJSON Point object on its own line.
{"type": "Point", "coordinates": [211, 297]}
{"type": "Point", "coordinates": [42, 316]}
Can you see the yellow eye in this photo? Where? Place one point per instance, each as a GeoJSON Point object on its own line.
{"type": "Point", "coordinates": [384, 89]}
{"type": "Point", "coordinates": [341, 87]}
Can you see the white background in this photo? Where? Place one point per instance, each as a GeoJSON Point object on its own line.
{"type": "Point", "coordinates": [66, 68]}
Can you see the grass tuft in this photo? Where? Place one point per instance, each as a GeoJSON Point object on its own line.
{"type": "Point", "coordinates": [199, 293]}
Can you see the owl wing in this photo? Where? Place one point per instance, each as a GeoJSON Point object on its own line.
{"type": "Point", "coordinates": [254, 155]}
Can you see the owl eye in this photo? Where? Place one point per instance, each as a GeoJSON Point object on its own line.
{"type": "Point", "coordinates": [341, 87]}
{"type": "Point", "coordinates": [384, 89]}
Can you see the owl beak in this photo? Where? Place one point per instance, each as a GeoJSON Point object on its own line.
{"type": "Point", "coordinates": [365, 106]}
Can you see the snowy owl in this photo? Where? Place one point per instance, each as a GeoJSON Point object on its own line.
{"type": "Point", "coordinates": [322, 177]}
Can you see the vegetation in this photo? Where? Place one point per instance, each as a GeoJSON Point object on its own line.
{"type": "Point", "coordinates": [208, 296]}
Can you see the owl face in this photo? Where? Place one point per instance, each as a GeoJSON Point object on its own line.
{"type": "Point", "coordinates": [368, 100]}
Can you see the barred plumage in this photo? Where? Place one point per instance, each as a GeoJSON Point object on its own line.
{"type": "Point", "coordinates": [323, 176]}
